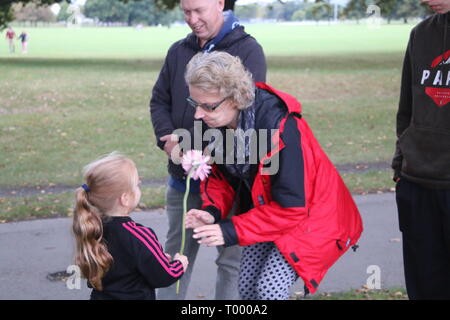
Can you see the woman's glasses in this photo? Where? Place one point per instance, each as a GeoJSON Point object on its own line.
{"type": "Point", "coordinates": [205, 106]}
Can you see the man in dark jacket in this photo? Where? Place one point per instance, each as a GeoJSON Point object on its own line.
{"type": "Point", "coordinates": [422, 159]}
{"type": "Point", "coordinates": [212, 29]}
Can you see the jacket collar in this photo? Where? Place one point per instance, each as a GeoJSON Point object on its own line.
{"type": "Point", "coordinates": [237, 34]}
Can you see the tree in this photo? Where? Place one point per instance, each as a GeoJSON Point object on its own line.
{"type": "Point", "coordinates": [63, 14]}
{"type": "Point", "coordinates": [285, 11]}
{"type": "Point", "coordinates": [32, 12]}
{"type": "Point", "coordinates": [321, 10]}
{"type": "Point", "coordinates": [387, 8]}
{"type": "Point", "coordinates": [131, 13]}
{"type": "Point", "coordinates": [299, 15]}
{"type": "Point", "coordinates": [6, 13]}
{"type": "Point", "coordinates": [146, 12]}
{"type": "Point", "coordinates": [108, 11]}
{"type": "Point", "coordinates": [6, 10]}
{"type": "Point", "coordinates": [409, 8]}
{"type": "Point", "coordinates": [249, 11]}
{"type": "Point", "coordinates": [356, 9]}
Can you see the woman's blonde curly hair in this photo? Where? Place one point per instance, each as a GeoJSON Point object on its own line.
{"type": "Point", "coordinates": [222, 72]}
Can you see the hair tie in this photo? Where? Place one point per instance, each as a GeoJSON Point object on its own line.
{"type": "Point", "coordinates": [85, 187]}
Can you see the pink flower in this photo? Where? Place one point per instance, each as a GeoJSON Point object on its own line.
{"type": "Point", "coordinates": [196, 164]}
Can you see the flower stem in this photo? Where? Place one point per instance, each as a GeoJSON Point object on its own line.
{"type": "Point", "coordinates": [183, 227]}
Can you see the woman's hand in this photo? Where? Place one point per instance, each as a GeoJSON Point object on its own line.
{"type": "Point", "coordinates": [209, 235]}
{"type": "Point", "coordinates": [198, 218]}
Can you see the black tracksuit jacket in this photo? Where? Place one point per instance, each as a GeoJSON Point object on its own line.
{"type": "Point", "coordinates": [140, 264]}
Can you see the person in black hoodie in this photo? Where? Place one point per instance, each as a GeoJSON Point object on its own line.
{"type": "Point", "coordinates": [422, 159]}
{"type": "Point", "coordinates": [212, 29]}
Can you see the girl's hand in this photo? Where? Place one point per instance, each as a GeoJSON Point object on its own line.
{"type": "Point", "coordinates": [168, 256]}
{"type": "Point", "coordinates": [198, 218]}
{"type": "Point", "coordinates": [183, 259]}
{"type": "Point", "coordinates": [209, 235]}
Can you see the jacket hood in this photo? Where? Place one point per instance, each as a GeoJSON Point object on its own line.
{"type": "Point", "coordinates": [292, 104]}
{"type": "Point", "coordinates": [234, 36]}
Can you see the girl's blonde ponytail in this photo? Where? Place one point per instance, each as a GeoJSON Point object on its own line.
{"type": "Point", "coordinates": [92, 255]}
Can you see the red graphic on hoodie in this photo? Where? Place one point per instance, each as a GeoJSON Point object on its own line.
{"type": "Point", "coordinates": [444, 59]}
{"type": "Point", "coordinates": [441, 96]}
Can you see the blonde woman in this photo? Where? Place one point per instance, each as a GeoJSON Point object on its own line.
{"type": "Point", "coordinates": [295, 215]}
{"type": "Point", "coordinates": [121, 259]}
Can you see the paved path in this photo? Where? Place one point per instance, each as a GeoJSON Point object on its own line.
{"type": "Point", "coordinates": [15, 191]}
{"type": "Point", "coordinates": [31, 250]}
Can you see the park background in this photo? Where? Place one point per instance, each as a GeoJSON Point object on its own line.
{"type": "Point", "coordinates": [83, 90]}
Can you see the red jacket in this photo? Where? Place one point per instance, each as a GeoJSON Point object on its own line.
{"type": "Point", "coordinates": [311, 236]}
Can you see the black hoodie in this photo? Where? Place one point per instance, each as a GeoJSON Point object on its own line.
{"type": "Point", "coordinates": [423, 118]}
{"type": "Point", "coordinates": [168, 107]}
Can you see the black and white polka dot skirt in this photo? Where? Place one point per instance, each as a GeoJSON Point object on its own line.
{"type": "Point", "coordinates": [265, 274]}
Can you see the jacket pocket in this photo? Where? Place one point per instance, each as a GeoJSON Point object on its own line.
{"type": "Point", "coordinates": [426, 153]}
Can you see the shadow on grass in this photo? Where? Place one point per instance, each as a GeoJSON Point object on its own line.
{"type": "Point", "coordinates": [339, 62]}
{"type": "Point", "coordinates": [327, 63]}
{"type": "Point", "coordinates": [132, 65]}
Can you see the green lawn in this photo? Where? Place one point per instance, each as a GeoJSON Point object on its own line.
{"type": "Point", "coordinates": [150, 43]}
{"type": "Point", "coordinates": [81, 93]}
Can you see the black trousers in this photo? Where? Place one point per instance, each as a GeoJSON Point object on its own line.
{"type": "Point", "coordinates": [424, 219]}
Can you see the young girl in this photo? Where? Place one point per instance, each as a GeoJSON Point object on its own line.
{"type": "Point", "coordinates": [24, 40]}
{"type": "Point", "coordinates": [120, 258]}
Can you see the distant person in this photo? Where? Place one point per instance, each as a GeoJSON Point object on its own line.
{"type": "Point", "coordinates": [120, 258]}
{"type": "Point", "coordinates": [212, 29]}
{"type": "Point", "coordinates": [24, 40]}
{"type": "Point", "coordinates": [10, 36]}
{"type": "Point", "coordinates": [422, 159]}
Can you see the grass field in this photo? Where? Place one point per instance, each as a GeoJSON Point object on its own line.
{"type": "Point", "coordinates": [84, 92]}
{"type": "Point", "coordinates": [152, 43]}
